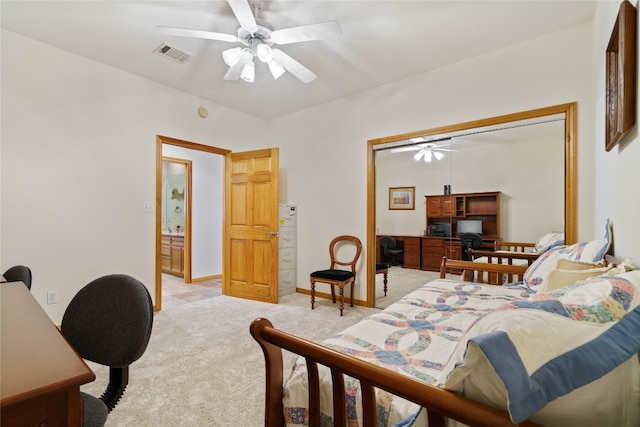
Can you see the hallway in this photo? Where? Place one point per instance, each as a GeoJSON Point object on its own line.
{"type": "Point", "coordinates": [175, 292]}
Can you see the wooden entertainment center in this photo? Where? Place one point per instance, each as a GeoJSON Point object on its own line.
{"type": "Point", "coordinates": [448, 209]}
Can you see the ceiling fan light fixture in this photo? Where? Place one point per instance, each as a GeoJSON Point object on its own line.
{"type": "Point", "coordinates": [248, 72]}
{"type": "Point", "coordinates": [428, 156]}
{"type": "Point", "coordinates": [418, 155]}
{"type": "Point", "coordinates": [276, 69]}
{"type": "Point", "coordinates": [264, 53]}
{"type": "Point", "coordinates": [438, 155]}
{"type": "Point", "coordinates": [232, 56]}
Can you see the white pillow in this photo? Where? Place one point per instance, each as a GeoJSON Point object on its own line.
{"type": "Point", "coordinates": [548, 241]}
{"type": "Point", "coordinates": [560, 278]}
{"type": "Point", "coordinates": [592, 251]}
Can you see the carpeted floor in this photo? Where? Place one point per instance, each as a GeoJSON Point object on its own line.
{"type": "Point", "coordinates": [203, 368]}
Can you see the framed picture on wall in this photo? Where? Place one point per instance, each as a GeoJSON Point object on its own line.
{"type": "Point", "coordinates": [402, 198]}
{"type": "Point", "coordinates": [621, 57]}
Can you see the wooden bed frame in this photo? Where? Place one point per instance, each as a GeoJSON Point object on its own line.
{"type": "Point", "coordinates": [488, 273]}
{"type": "Point", "coordinates": [439, 403]}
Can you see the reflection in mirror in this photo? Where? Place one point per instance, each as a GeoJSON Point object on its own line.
{"type": "Point", "coordinates": [525, 164]}
{"type": "Point", "coordinates": [527, 158]}
{"type": "Point", "coordinates": [173, 197]}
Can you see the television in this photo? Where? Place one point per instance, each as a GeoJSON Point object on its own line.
{"type": "Point", "coordinates": [469, 226]}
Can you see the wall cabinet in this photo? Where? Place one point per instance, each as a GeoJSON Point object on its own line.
{"type": "Point", "coordinates": [438, 206]}
{"type": "Point", "coordinates": [454, 207]}
{"type": "Point", "coordinates": [172, 254]}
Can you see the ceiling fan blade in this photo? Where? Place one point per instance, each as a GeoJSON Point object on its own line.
{"type": "Point", "coordinates": [305, 33]}
{"type": "Point", "coordinates": [293, 66]}
{"type": "Point", "coordinates": [407, 148]}
{"type": "Point", "coordinates": [183, 32]}
{"type": "Point", "coordinates": [244, 14]}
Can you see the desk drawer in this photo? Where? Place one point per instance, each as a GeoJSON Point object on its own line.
{"type": "Point", "coordinates": [411, 244]}
{"type": "Point", "coordinates": [430, 242]}
{"type": "Point", "coordinates": [431, 261]}
{"type": "Point", "coordinates": [412, 259]}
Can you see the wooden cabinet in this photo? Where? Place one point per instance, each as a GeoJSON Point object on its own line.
{"type": "Point", "coordinates": [434, 248]}
{"type": "Point", "coordinates": [172, 254]}
{"type": "Point", "coordinates": [411, 252]}
{"type": "Point", "coordinates": [432, 253]}
{"type": "Point", "coordinates": [476, 206]}
{"type": "Point", "coordinates": [439, 206]}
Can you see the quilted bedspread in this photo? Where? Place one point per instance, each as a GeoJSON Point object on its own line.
{"type": "Point", "coordinates": [415, 336]}
{"type": "Point", "coordinates": [563, 357]}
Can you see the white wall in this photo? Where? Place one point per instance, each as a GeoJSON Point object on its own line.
{"type": "Point", "coordinates": [207, 209]}
{"type": "Point", "coordinates": [323, 149]}
{"type": "Point", "coordinates": [67, 211]}
{"type": "Point", "coordinates": [617, 172]}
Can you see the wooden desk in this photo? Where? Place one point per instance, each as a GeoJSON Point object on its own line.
{"type": "Point", "coordinates": [434, 248]}
{"type": "Point", "coordinates": [41, 372]}
{"type": "Point", "coordinates": [409, 258]}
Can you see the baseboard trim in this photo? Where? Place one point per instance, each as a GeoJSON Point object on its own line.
{"type": "Point", "coordinates": [204, 279]}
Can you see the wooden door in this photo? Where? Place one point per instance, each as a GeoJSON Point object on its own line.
{"type": "Point", "coordinates": [250, 265]}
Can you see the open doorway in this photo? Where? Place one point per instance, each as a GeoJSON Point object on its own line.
{"type": "Point", "coordinates": [202, 204]}
{"type": "Point", "coordinates": [176, 218]}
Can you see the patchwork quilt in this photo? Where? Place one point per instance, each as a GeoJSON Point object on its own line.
{"type": "Point", "coordinates": [415, 336]}
{"type": "Point", "coordinates": [505, 346]}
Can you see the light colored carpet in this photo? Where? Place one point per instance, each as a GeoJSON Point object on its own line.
{"type": "Point", "coordinates": [401, 281]}
{"type": "Point", "coordinates": [203, 368]}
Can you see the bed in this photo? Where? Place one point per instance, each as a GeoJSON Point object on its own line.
{"type": "Point", "coordinates": [518, 253]}
{"type": "Point", "coordinates": [464, 353]}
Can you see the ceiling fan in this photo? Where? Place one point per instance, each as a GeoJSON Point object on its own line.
{"type": "Point", "coordinates": [258, 37]}
{"type": "Point", "coordinates": [427, 151]}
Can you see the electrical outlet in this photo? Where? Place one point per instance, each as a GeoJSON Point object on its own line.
{"type": "Point", "coordinates": [52, 297]}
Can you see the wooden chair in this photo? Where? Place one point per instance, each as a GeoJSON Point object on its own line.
{"type": "Point", "coordinates": [336, 276]}
{"type": "Point", "coordinates": [384, 270]}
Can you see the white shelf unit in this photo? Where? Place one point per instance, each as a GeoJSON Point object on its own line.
{"type": "Point", "coordinates": [287, 249]}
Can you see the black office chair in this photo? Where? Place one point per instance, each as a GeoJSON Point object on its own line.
{"type": "Point", "coordinates": [389, 251]}
{"type": "Point", "coordinates": [470, 241]}
{"type": "Point", "coordinates": [109, 322]}
{"type": "Point", "coordinates": [19, 273]}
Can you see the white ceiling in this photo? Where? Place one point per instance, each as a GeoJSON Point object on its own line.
{"type": "Point", "coordinates": [382, 41]}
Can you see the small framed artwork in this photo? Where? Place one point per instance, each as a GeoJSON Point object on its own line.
{"type": "Point", "coordinates": [402, 198]}
{"type": "Point", "coordinates": [621, 57]}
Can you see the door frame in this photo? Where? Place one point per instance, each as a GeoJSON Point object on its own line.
{"type": "Point", "coordinates": [160, 140]}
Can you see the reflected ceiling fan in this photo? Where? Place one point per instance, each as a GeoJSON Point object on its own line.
{"type": "Point", "coordinates": [427, 151]}
{"type": "Point", "coordinates": [258, 37]}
